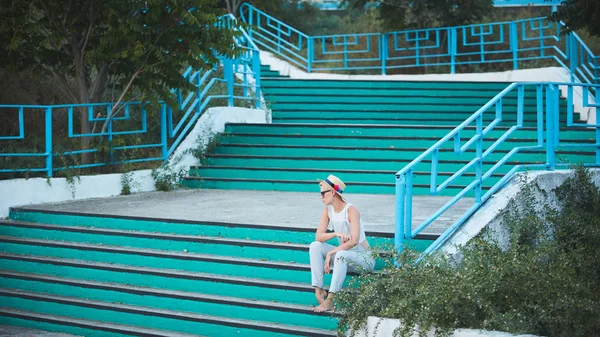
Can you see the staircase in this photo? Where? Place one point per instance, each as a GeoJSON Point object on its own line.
{"type": "Point", "coordinates": [364, 131]}
{"type": "Point", "coordinates": [115, 276]}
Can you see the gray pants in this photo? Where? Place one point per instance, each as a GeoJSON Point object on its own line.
{"type": "Point", "coordinates": [343, 261]}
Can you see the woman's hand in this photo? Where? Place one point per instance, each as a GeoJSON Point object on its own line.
{"type": "Point", "coordinates": [327, 267]}
{"type": "Point", "coordinates": [345, 237]}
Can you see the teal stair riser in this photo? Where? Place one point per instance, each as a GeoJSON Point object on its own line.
{"type": "Point", "coordinates": [177, 304]}
{"type": "Point", "coordinates": [411, 107]}
{"type": "Point", "coordinates": [274, 92]}
{"type": "Point", "coordinates": [160, 262]}
{"type": "Point", "coordinates": [399, 101]}
{"type": "Point", "coordinates": [353, 142]}
{"type": "Point", "coordinates": [433, 117]}
{"type": "Point", "coordinates": [475, 86]}
{"type": "Point", "coordinates": [55, 327]}
{"type": "Point", "coordinates": [306, 176]}
{"type": "Point", "coordinates": [333, 165]}
{"type": "Point", "coordinates": [134, 278]}
{"type": "Point", "coordinates": [393, 154]}
{"type": "Point", "coordinates": [269, 254]}
{"type": "Point", "coordinates": [195, 229]}
{"type": "Point", "coordinates": [299, 187]}
{"type": "Point", "coordinates": [382, 131]}
{"type": "Point", "coordinates": [135, 319]}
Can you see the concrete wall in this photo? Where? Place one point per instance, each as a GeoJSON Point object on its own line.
{"type": "Point", "coordinates": [491, 213]}
{"type": "Point", "coordinates": [384, 327]}
{"type": "Point", "coordinates": [19, 192]}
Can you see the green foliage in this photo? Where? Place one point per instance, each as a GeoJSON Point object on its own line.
{"type": "Point", "coordinates": [85, 45]}
{"type": "Point", "coordinates": [205, 145]}
{"type": "Point", "coordinates": [167, 178]}
{"type": "Point", "coordinates": [127, 183]}
{"type": "Point", "coordinates": [580, 14]}
{"type": "Point", "coordinates": [411, 14]}
{"type": "Point", "coordinates": [543, 279]}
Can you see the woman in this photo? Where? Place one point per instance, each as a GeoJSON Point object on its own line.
{"type": "Point", "coordinates": [353, 252]}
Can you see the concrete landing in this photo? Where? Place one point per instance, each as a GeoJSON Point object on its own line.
{"type": "Point", "coordinates": [14, 331]}
{"type": "Point", "coordinates": [288, 209]}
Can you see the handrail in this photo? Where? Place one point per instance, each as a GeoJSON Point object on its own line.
{"type": "Point", "coordinates": [506, 44]}
{"type": "Point", "coordinates": [159, 133]}
{"type": "Point", "coordinates": [547, 139]}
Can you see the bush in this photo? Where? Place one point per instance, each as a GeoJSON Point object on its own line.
{"type": "Point", "coordinates": [544, 280]}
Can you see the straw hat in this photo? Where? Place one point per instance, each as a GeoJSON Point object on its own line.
{"type": "Point", "coordinates": [335, 184]}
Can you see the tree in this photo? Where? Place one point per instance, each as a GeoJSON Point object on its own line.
{"type": "Point", "coordinates": [139, 46]}
{"type": "Point", "coordinates": [233, 6]}
{"type": "Point", "coordinates": [418, 14]}
{"type": "Point", "coordinates": [580, 14]}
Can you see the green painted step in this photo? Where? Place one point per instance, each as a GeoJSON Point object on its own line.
{"type": "Point", "coordinates": [306, 186]}
{"type": "Point", "coordinates": [243, 249]}
{"type": "Point", "coordinates": [188, 261]}
{"type": "Point", "coordinates": [343, 84]}
{"type": "Point", "coordinates": [169, 300]}
{"type": "Point", "coordinates": [274, 92]}
{"type": "Point", "coordinates": [383, 153]}
{"type": "Point", "coordinates": [418, 105]}
{"type": "Point", "coordinates": [425, 116]}
{"type": "Point", "coordinates": [209, 284]}
{"type": "Point", "coordinates": [391, 130]}
{"type": "Point", "coordinates": [264, 235]}
{"type": "Point", "coordinates": [149, 317]}
{"type": "Point", "coordinates": [78, 327]}
{"type": "Point", "coordinates": [333, 164]}
{"type": "Point", "coordinates": [280, 175]}
{"type": "Point", "coordinates": [357, 141]}
{"type": "Point", "coordinates": [372, 99]}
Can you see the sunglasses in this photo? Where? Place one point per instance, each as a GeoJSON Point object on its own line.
{"type": "Point", "coordinates": [324, 192]}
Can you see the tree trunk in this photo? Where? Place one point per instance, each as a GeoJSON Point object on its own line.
{"type": "Point", "coordinates": [84, 98]}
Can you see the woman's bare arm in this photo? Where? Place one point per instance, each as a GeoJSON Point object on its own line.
{"type": "Point", "coordinates": [322, 234]}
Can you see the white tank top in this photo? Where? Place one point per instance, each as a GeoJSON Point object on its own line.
{"type": "Point", "coordinates": [338, 222]}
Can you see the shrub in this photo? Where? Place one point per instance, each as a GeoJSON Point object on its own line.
{"type": "Point", "coordinates": [543, 280]}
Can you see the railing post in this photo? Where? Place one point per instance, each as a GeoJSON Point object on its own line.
{"type": "Point", "coordinates": [109, 129]}
{"type": "Point", "coordinates": [550, 149]}
{"type": "Point", "coordinates": [48, 153]}
{"type": "Point", "coordinates": [310, 46]}
{"type": "Point", "coordinates": [573, 58]}
{"type": "Point", "coordinates": [479, 153]}
{"type": "Point", "coordinates": [228, 72]}
{"type": "Point", "coordinates": [514, 44]}
{"type": "Point", "coordinates": [256, 71]}
{"type": "Point", "coordinates": [384, 52]}
{"type": "Point", "coordinates": [163, 131]}
{"type": "Point", "coordinates": [409, 191]}
{"type": "Point", "coordinates": [452, 45]}
{"type": "Point", "coordinates": [400, 202]}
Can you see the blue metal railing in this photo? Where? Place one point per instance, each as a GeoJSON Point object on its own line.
{"type": "Point", "coordinates": [482, 143]}
{"type": "Point", "coordinates": [122, 133]}
{"type": "Point", "coordinates": [503, 44]}
{"type": "Point", "coordinates": [335, 4]}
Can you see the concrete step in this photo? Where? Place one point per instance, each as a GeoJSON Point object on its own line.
{"type": "Point", "coordinates": [80, 327]}
{"type": "Point", "coordinates": [194, 302]}
{"type": "Point", "coordinates": [175, 320]}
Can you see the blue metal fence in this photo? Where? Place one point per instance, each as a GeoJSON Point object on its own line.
{"type": "Point", "coordinates": [130, 133]}
{"type": "Point", "coordinates": [502, 45]}
{"type": "Point", "coordinates": [477, 148]}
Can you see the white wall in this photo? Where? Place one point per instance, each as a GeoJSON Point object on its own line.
{"type": "Point", "coordinates": [20, 192]}
{"type": "Point", "coordinates": [490, 214]}
{"type": "Point", "coordinates": [377, 327]}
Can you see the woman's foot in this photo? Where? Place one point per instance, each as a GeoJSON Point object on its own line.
{"type": "Point", "coordinates": [320, 294]}
{"type": "Point", "coordinates": [327, 305]}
